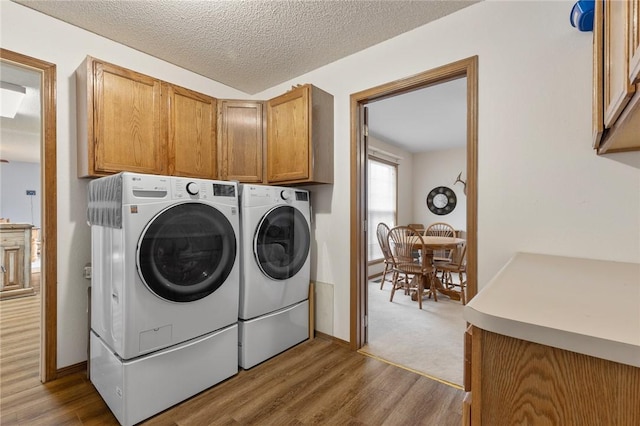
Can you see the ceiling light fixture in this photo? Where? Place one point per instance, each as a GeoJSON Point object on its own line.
{"type": "Point", "coordinates": [11, 96]}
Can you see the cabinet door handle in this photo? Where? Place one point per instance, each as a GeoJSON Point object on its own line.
{"type": "Point", "coordinates": [3, 269]}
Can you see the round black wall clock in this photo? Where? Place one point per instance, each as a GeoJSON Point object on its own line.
{"type": "Point", "coordinates": [441, 200]}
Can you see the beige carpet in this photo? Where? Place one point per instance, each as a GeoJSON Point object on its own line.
{"type": "Point", "coordinates": [429, 341]}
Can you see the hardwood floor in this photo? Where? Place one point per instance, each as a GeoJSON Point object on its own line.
{"type": "Point", "coordinates": [317, 382]}
{"type": "Point", "coordinates": [19, 345]}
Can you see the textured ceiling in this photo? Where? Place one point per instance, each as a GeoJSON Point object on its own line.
{"type": "Point", "coordinates": [252, 46]}
{"type": "Point", "coordinates": [248, 45]}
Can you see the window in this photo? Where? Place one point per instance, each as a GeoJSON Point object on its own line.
{"type": "Point", "coordinates": [382, 201]}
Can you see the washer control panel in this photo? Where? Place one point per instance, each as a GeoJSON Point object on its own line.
{"type": "Point", "coordinates": [285, 194]}
{"type": "Point", "coordinates": [191, 189]}
{"type": "Point", "coordinates": [202, 189]}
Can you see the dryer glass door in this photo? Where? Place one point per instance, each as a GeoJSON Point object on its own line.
{"type": "Point", "coordinates": [186, 252]}
{"type": "Point", "coordinates": [281, 242]}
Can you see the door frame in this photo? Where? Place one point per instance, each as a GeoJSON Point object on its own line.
{"type": "Point", "coordinates": [48, 213]}
{"type": "Point", "coordinates": [464, 68]}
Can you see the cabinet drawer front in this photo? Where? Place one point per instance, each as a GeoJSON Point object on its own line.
{"type": "Point", "coordinates": [12, 238]}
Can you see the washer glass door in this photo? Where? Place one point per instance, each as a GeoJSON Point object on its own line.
{"type": "Point", "coordinates": [186, 252]}
{"type": "Point", "coordinates": [281, 242]}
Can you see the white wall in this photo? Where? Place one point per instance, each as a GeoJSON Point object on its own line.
{"type": "Point", "coordinates": [439, 168]}
{"type": "Point", "coordinates": [34, 34]}
{"type": "Point", "coordinates": [541, 188]}
{"type": "Point", "coordinates": [16, 177]}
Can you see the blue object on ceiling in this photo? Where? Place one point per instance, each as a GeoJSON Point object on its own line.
{"type": "Point", "coordinates": [582, 15]}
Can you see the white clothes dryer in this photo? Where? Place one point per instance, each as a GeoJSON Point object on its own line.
{"type": "Point", "coordinates": [164, 290]}
{"type": "Point", "coordinates": [274, 283]}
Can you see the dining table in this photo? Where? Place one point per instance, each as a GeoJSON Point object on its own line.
{"type": "Point", "coordinates": [427, 246]}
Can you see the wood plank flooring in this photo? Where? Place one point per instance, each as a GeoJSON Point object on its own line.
{"type": "Point", "coordinates": [317, 382]}
{"type": "Point", "coordinates": [19, 344]}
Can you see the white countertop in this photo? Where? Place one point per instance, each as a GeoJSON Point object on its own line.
{"type": "Point", "coordinates": [581, 305]}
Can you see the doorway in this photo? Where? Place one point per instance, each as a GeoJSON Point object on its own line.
{"type": "Point", "coordinates": [48, 208]}
{"type": "Point", "coordinates": [359, 295]}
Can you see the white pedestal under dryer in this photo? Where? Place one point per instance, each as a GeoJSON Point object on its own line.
{"type": "Point", "coordinates": [165, 289]}
{"type": "Point", "coordinates": [275, 274]}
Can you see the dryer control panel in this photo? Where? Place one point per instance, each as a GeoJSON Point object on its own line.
{"type": "Point", "coordinates": [264, 195]}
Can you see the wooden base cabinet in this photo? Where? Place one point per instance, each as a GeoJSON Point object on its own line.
{"type": "Point", "coordinates": [516, 382]}
{"type": "Point", "coordinates": [129, 121]}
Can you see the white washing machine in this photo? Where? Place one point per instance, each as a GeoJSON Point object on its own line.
{"type": "Point", "coordinates": [164, 291]}
{"type": "Point", "coordinates": [274, 282]}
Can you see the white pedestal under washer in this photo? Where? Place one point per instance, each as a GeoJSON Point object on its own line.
{"type": "Point", "coordinates": [141, 387]}
{"type": "Point", "coordinates": [274, 282]}
{"type": "Point", "coordinates": [165, 275]}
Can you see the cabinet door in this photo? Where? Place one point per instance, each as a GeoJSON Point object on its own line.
{"type": "Point", "coordinates": [15, 262]}
{"type": "Point", "coordinates": [241, 140]}
{"type": "Point", "coordinates": [617, 89]}
{"type": "Point", "coordinates": [126, 121]}
{"type": "Point", "coordinates": [634, 42]}
{"type": "Point", "coordinates": [12, 277]}
{"type": "Point", "coordinates": [192, 133]}
{"type": "Point", "coordinates": [598, 76]}
{"type": "Point", "coordinates": [288, 136]}
{"type": "Point", "coordinates": [549, 386]}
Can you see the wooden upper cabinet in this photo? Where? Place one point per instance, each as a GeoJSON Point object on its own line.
{"type": "Point", "coordinates": [617, 89]}
{"type": "Point", "coordinates": [300, 137]}
{"type": "Point", "coordinates": [634, 45]}
{"type": "Point", "coordinates": [616, 95]}
{"type": "Point", "coordinates": [191, 125]}
{"type": "Point", "coordinates": [598, 76]}
{"type": "Point", "coordinates": [119, 126]}
{"type": "Point", "coordinates": [241, 140]}
{"type": "Point", "coordinates": [131, 122]}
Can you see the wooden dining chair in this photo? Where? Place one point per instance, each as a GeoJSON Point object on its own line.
{"type": "Point", "coordinates": [418, 227]}
{"type": "Point", "coordinates": [441, 229]}
{"type": "Point", "coordinates": [457, 265]}
{"type": "Point", "coordinates": [402, 240]}
{"type": "Point", "coordinates": [382, 232]}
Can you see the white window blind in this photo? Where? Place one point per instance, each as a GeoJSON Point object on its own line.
{"type": "Point", "coordinates": [382, 201]}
